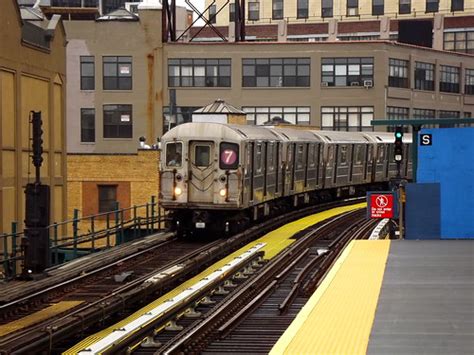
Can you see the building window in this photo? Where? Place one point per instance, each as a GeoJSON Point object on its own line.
{"type": "Point", "coordinates": [232, 12]}
{"type": "Point", "coordinates": [117, 73]}
{"type": "Point", "coordinates": [457, 5]}
{"type": "Point", "coordinates": [277, 9]}
{"type": "Point", "coordinates": [87, 125]}
{"type": "Point", "coordinates": [377, 7]}
{"type": "Point", "coordinates": [469, 84]}
{"type": "Point", "coordinates": [422, 114]}
{"type": "Point", "coordinates": [326, 8]}
{"type": "Point", "coordinates": [347, 71]}
{"type": "Point", "coordinates": [404, 7]}
{"type": "Point", "coordinates": [352, 7]}
{"type": "Point", "coordinates": [397, 113]}
{"type": "Point", "coordinates": [254, 11]}
{"type": "Point", "coordinates": [424, 76]}
{"type": "Point", "coordinates": [118, 121]}
{"type": "Point", "coordinates": [459, 41]}
{"type": "Point", "coordinates": [276, 72]}
{"type": "Point", "coordinates": [183, 114]}
{"type": "Point", "coordinates": [107, 198]}
{"type": "Point", "coordinates": [199, 72]}
{"type": "Point", "coordinates": [432, 5]}
{"type": "Point", "coordinates": [87, 73]}
{"type": "Point", "coordinates": [342, 118]}
{"type": "Point", "coordinates": [302, 9]}
{"type": "Point", "coordinates": [398, 73]}
{"type": "Point", "coordinates": [449, 114]}
{"type": "Point", "coordinates": [261, 115]}
{"type": "Point", "coordinates": [212, 14]}
{"type": "Point", "coordinates": [449, 80]}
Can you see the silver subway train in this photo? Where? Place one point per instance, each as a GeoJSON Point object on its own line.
{"type": "Point", "coordinates": [219, 177]}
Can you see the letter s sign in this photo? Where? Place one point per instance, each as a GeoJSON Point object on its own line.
{"type": "Point", "coordinates": [425, 139]}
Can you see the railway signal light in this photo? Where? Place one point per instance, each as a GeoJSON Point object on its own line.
{"type": "Point", "coordinates": [37, 139]}
{"type": "Point", "coordinates": [398, 151]}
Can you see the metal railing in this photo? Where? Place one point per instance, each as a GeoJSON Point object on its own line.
{"type": "Point", "coordinates": [79, 236]}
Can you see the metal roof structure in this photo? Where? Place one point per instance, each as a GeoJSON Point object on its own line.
{"type": "Point", "coordinates": [219, 107]}
{"type": "Point", "coordinates": [119, 15]}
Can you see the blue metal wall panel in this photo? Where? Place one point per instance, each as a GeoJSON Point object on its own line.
{"type": "Point", "coordinates": [449, 161]}
{"type": "Point", "coordinates": [422, 219]}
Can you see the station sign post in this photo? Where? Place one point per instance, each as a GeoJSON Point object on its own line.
{"type": "Point", "coordinates": [382, 204]}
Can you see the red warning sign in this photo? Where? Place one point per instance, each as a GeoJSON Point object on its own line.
{"type": "Point", "coordinates": [381, 206]}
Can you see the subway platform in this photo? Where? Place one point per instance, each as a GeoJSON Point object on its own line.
{"type": "Point", "coordinates": [390, 297]}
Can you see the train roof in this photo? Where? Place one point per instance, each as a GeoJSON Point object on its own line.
{"type": "Point", "coordinates": [342, 137]}
{"type": "Point", "coordinates": [386, 137]}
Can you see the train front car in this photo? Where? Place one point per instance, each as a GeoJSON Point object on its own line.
{"type": "Point", "coordinates": [201, 176]}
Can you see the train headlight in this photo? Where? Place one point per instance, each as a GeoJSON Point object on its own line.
{"type": "Point", "coordinates": [223, 192]}
{"type": "Point", "coordinates": [178, 191]}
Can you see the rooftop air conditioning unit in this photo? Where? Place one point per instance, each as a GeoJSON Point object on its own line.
{"type": "Point", "coordinates": [355, 83]}
{"type": "Point", "coordinates": [324, 83]}
{"type": "Point", "coordinates": [352, 11]}
{"type": "Point", "coordinates": [368, 83]}
{"type": "Point", "coordinates": [132, 7]}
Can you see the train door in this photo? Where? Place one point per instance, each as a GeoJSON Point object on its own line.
{"type": "Point", "coordinates": [201, 174]}
{"type": "Point", "coordinates": [277, 168]}
{"type": "Point", "coordinates": [352, 160]}
{"type": "Point", "coordinates": [289, 177]}
{"type": "Point", "coordinates": [265, 167]}
{"type": "Point", "coordinates": [294, 165]}
{"type": "Point", "coordinates": [251, 153]}
{"type": "Point", "coordinates": [330, 166]}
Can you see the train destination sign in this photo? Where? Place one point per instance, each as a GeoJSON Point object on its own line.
{"type": "Point", "coordinates": [381, 205]}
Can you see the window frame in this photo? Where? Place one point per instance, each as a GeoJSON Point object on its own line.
{"type": "Point", "coordinates": [457, 5]}
{"type": "Point", "coordinates": [378, 7]}
{"type": "Point", "coordinates": [107, 60]}
{"type": "Point", "coordinates": [120, 111]}
{"type": "Point", "coordinates": [469, 81]}
{"type": "Point", "coordinates": [344, 64]}
{"type": "Point", "coordinates": [404, 7]}
{"type": "Point", "coordinates": [302, 9]}
{"type": "Point", "coordinates": [100, 205]}
{"type": "Point", "coordinates": [398, 73]}
{"type": "Point", "coordinates": [278, 9]}
{"type": "Point", "coordinates": [253, 15]}
{"type": "Point", "coordinates": [255, 114]}
{"type": "Point", "coordinates": [352, 4]}
{"type": "Point", "coordinates": [85, 126]}
{"type": "Point", "coordinates": [422, 83]}
{"type": "Point", "coordinates": [212, 14]}
{"type": "Point", "coordinates": [339, 123]}
{"type": "Point", "coordinates": [449, 80]}
{"type": "Point", "coordinates": [431, 6]}
{"type": "Point", "coordinates": [85, 60]}
{"type": "Point", "coordinates": [327, 8]}
{"type": "Point", "coordinates": [257, 71]}
{"type": "Point", "coordinates": [195, 66]}
{"type": "Point", "coordinates": [459, 41]}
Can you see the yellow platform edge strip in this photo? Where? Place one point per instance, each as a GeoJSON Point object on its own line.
{"type": "Point", "coordinates": [338, 317]}
{"type": "Point", "coordinates": [37, 317]}
{"type": "Point", "coordinates": [276, 241]}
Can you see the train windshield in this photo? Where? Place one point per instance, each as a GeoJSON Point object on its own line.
{"type": "Point", "coordinates": [202, 155]}
{"type": "Point", "coordinates": [174, 154]}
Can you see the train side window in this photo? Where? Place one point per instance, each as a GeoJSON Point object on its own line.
{"type": "Point", "coordinates": [202, 155]}
{"type": "Point", "coordinates": [311, 149]}
{"type": "Point", "coordinates": [343, 154]}
{"type": "Point", "coordinates": [359, 154]}
{"type": "Point", "coordinates": [259, 158]}
{"type": "Point", "coordinates": [299, 158]}
{"type": "Point", "coordinates": [381, 154]}
{"type": "Point", "coordinates": [270, 156]}
{"type": "Point", "coordinates": [174, 154]}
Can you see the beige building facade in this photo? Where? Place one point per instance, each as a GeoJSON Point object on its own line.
{"type": "Point", "coordinates": [339, 86]}
{"type": "Point", "coordinates": [32, 78]}
{"type": "Point", "coordinates": [302, 11]}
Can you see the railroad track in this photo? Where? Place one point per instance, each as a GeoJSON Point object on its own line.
{"type": "Point", "coordinates": [103, 299]}
{"type": "Point", "coordinates": [219, 308]}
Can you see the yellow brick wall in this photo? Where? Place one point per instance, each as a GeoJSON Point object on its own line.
{"type": "Point", "coordinates": [140, 170]}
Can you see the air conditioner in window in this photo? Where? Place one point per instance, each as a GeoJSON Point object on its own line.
{"type": "Point", "coordinates": [355, 83]}
{"type": "Point", "coordinates": [368, 83]}
{"type": "Point", "coordinates": [352, 11]}
{"type": "Point", "coordinates": [324, 83]}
